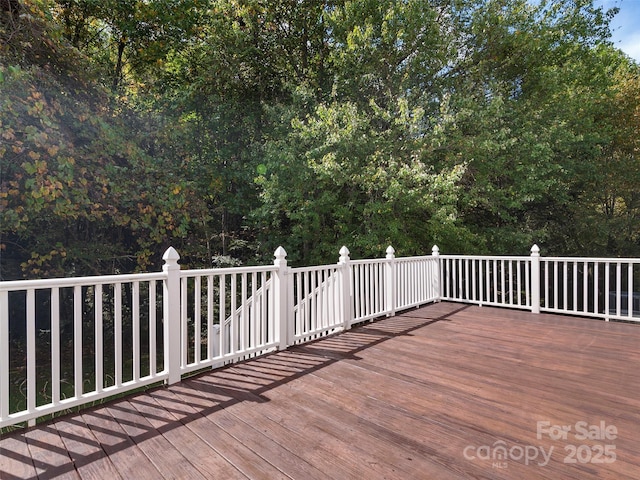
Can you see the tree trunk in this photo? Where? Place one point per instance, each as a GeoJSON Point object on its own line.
{"type": "Point", "coordinates": [117, 76]}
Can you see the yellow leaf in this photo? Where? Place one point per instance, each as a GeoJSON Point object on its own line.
{"type": "Point", "coordinates": [8, 134]}
{"type": "Point", "coordinates": [34, 155]}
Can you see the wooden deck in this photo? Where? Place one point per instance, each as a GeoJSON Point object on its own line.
{"type": "Point", "coordinates": [431, 393]}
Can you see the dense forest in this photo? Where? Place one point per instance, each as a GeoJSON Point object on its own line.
{"type": "Point", "coordinates": [228, 127]}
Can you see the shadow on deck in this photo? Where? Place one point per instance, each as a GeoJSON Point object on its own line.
{"type": "Point", "coordinates": [444, 391]}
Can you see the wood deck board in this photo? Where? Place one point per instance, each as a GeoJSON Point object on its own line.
{"type": "Point", "coordinates": [397, 398]}
{"type": "Point", "coordinates": [87, 455]}
{"type": "Point", "coordinates": [126, 456]}
{"type": "Point", "coordinates": [338, 437]}
{"type": "Point", "coordinates": [162, 454]}
{"type": "Point", "coordinates": [206, 459]}
{"type": "Point", "coordinates": [15, 459]}
{"type": "Point", "coordinates": [50, 457]}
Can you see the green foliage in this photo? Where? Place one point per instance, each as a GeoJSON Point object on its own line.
{"type": "Point", "coordinates": [229, 127]}
{"type": "Point", "coordinates": [358, 185]}
{"type": "Point", "coordinates": [78, 193]}
{"type": "Point", "coordinates": [607, 203]}
{"type": "Point", "coordinates": [127, 39]}
{"type": "Point", "coordinates": [526, 112]}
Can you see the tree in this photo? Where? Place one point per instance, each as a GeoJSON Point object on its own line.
{"type": "Point", "coordinates": [76, 175]}
{"type": "Point", "coordinates": [524, 110]}
{"type": "Point", "coordinates": [355, 163]}
{"type": "Point", "coordinates": [222, 86]}
{"type": "Point", "coordinates": [127, 36]}
{"type": "Point", "coordinates": [477, 125]}
{"type": "Point", "coordinates": [607, 207]}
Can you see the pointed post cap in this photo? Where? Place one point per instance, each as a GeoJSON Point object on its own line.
{"type": "Point", "coordinates": [435, 251]}
{"type": "Point", "coordinates": [171, 256]}
{"type": "Point", "coordinates": [535, 251]}
{"type": "Point", "coordinates": [391, 252]}
{"type": "Point", "coordinates": [281, 256]}
{"type": "Point", "coordinates": [344, 254]}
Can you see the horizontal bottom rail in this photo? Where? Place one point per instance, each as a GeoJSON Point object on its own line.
{"type": "Point", "coordinates": [87, 398]}
{"type": "Point", "coordinates": [315, 334]}
{"type": "Point", "coordinates": [486, 303]}
{"type": "Point", "coordinates": [604, 316]}
{"type": "Point", "coordinates": [221, 360]}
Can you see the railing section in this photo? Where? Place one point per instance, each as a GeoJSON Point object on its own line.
{"type": "Point", "coordinates": [497, 281]}
{"type": "Point", "coordinates": [73, 341]}
{"type": "Point", "coordinates": [68, 342]}
{"type": "Point", "coordinates": [370, 286]}
{"type": "Point", "coordinates": [384, 286]}
{"type": "Point", "coordinates": [592, 287]}
{"type": "Point", "coordinates": [226, 315]}
{"type": "Point", "coordinates": [416, 281]}
{"type": "Point", "coordinates": [317, 294]}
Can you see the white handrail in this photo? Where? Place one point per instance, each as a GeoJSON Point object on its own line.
{"type": "Point", "coordinates": [13, 285]}
{"type": "Point", "coordinates": [210, 317]}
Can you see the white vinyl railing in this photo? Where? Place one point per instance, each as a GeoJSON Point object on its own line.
{"type": "Point", "coordinates": [226, 315]}
{"type": "Point", "coordinates": [371, 289]}
{"type": "Point", "coordinates": [384, 286]}
{"type": "Point", "coordinates": [594, 287]}
{"type": "Point", "coordinates": [417, 282]}
{"type": "Point", "coordinates": [496, 281]}
{"type": "Point", "coordinates": [84, 339]}
{"type": "Point", "coordinates": [317, 302]}
{"type": "Point", "coordinates": [607, 288]}
{"type": "Point", "coordinates": [69, 342]}
{"type": "Point", "coordinates": [74, 341]}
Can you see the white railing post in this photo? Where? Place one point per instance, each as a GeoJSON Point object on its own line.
{"type": "Point", "coordinates": [435, 278]}
{"type": "Point", "coordinates": [171, 312]}
{"type": "Point", "coordinates": [346, 288]}
{"type": "Point", "coordinates": [280, 301]}
{"type": "Point", "coordinates": [535, 279]}
{"type": "Point", "coordinates": [215, 339]}
{"type": "Point", "coordinates": [4, 355]}
{"type": "Point", "coordinates": [391, 286]}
